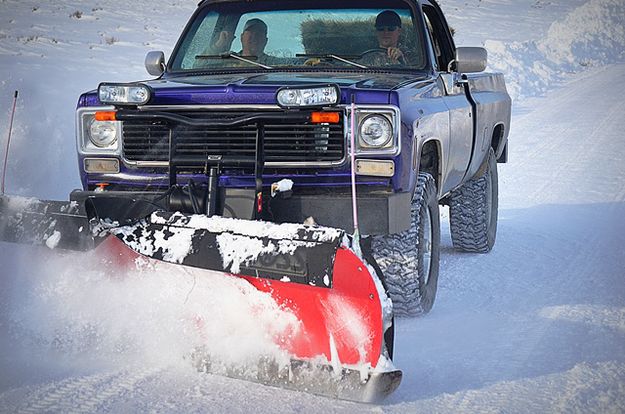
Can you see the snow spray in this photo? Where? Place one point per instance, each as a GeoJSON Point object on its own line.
{"type": "Point", "coordinates": [6, 152]}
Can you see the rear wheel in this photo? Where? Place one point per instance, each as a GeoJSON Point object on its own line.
{"type": "Point", "coordinates": [409, 260]}
{"type": "Point", "coordinates": [473, 210]}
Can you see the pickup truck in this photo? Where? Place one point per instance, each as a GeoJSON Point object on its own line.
{"type": "Point", "coordinates": [255, 112]}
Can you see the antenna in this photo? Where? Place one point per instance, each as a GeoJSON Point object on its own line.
{"type": "Point", "coordinates": [6, 153]}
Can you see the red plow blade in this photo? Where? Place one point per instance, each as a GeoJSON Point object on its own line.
{"type": "Point", "coordinates": [339, 349]}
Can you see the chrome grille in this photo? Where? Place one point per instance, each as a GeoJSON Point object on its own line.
{"type": "Point", "coordinates": [285, 142]}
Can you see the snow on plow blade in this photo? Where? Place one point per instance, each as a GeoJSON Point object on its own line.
{"type": "Point", "coordinates": [339, 349]}
{"type": "Point", "coordinates": [289, 252]}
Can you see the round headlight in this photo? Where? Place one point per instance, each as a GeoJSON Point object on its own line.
{"type": "Point", "coordinates": [103, 133]}
{"type": "Point", "coordinates": [376, 131]}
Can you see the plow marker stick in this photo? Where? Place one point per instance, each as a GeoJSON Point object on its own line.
{"type": "Point", "coordinates": [6, 153]}
{"type": "Point", "coordinates": [356, 244]}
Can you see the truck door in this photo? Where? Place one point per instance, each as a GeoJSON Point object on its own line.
{"type": "Point", "coordinates": [460, 110]}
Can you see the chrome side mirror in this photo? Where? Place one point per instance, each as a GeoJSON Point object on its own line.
{"type": "Point", "coordinates": [155, 63]}
{"type": "Point", "coordinates": [471, 59]}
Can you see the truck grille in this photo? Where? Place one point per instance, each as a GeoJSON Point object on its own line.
{"type": "Point", "coordinates": [147, 140]}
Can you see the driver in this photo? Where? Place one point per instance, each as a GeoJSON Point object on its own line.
{"type": "Point", "coordinates": [388, 30]}
{"type": "Point", "coordinates": [253, 40]}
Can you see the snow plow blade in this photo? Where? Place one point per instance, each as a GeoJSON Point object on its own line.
{"type": "Point", "coordinates": [342, 349]}
{"type": "Point", "coordinates": [57, 224]}
{"type": "Point", "coordinates": [343, 342]}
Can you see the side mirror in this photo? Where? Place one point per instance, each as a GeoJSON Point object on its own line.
{"type": "Point", "coordinates": [155, 63]}
{"type": "Point", "coordinates": [471, 59]}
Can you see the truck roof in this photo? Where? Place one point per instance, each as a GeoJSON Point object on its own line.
{"type": "Point", "coordinates": [202, 2]}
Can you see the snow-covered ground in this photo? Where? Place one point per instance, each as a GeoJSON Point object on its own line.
{"type": "Point", "coordinates": [537, 325]}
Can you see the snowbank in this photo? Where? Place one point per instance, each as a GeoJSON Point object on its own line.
{"type": "Point", "coordinates": [591, 35]}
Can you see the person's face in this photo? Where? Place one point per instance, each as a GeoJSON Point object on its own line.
{"type": "Point", "coordinates": [388, 36]}
{"type": "Point", "coordinates": [253, 41]}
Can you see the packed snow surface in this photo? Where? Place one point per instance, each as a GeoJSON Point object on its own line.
{"type": "Point", "coordinates": [537, 325]}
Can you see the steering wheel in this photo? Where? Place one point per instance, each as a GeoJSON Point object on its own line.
{"type": "Point", "coordinates": [382, 52]}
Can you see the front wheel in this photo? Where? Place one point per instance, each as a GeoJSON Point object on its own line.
{"type": "Point", "coordinates": [473, 210]}
{"type": "Point", "coordinates": [410, 260]}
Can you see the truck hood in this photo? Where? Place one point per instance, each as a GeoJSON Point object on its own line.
{"type": "Point", "coordinates": [352, 80]}
{"type": "Point", "coordinates": [260, 88]}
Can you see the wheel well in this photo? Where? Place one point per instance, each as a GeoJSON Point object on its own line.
{"type": "Point", "coordinates": [429, 160]}
{"type": "Point", "coordinates": [497, 137]}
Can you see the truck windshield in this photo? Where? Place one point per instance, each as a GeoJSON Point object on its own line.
{"type": "Point", "coordinates": [235, 35]}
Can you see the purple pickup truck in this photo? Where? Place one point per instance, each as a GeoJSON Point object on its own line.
{"type": "Point", "coordinates": [254, 113]}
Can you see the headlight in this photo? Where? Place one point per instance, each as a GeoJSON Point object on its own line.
{"type": "Point", "coordinates": [123, 94]}
{"type": "Point", "coordinates": [376, 131]}
{"type": "Point", "coordinates": [313, 96]}
{"type": "Point", "coordinates": [103, 133]}
{"type": "Point", "coordinates": [98, 133]}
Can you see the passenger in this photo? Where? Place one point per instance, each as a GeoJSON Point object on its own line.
{"type": "Point", "coordinates": [388, 30]}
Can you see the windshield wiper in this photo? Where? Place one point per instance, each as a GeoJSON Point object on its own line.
{"type": "Point", "coordinates": [230, 55]}
{"type": "Point", "coordinates": [343, 59]}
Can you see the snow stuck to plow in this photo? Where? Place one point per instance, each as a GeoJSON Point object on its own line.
{"type": "Point", "coordinates": [174, 237]}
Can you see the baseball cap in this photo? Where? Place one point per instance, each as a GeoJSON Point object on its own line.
{"type": "Point", "coordinates": [387, 18]}
{"type": "Point", "coordinates": [255, 24]}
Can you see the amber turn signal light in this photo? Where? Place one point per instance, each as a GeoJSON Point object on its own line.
{"type": "Point", "coordinates": [105, 116]}
{"type": "Point", "coordinates": [324, 117]}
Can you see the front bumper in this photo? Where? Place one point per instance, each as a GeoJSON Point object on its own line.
{"type": "Point", "coordinates": [379, 212]}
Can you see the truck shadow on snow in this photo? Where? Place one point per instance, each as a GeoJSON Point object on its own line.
{"type": "Point", "coordinates": [548, 298]}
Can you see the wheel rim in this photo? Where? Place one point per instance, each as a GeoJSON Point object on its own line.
{"type": "Point", "coordinates": [427, 246]}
